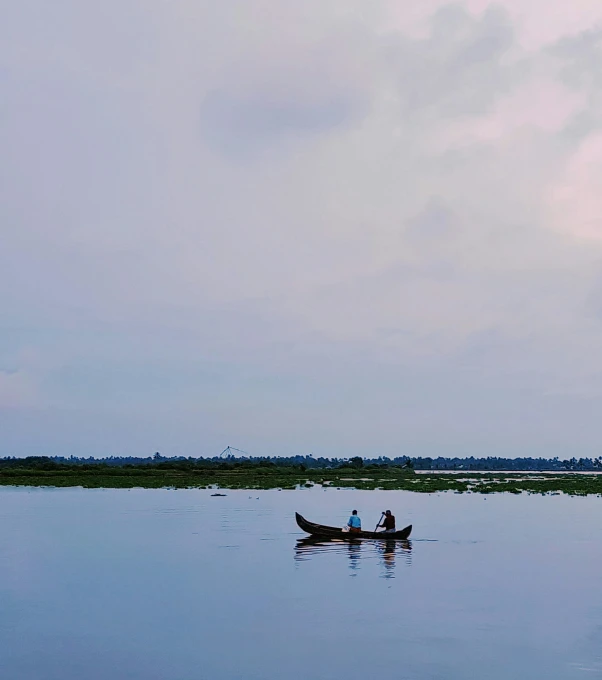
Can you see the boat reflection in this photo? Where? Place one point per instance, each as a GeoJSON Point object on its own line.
{"type": "Point", "coordinates": [388, 552]}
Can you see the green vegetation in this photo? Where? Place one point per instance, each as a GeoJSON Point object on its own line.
{"type": "Point", "coordinates": [265, 474]}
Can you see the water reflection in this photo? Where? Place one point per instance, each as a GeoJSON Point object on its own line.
{"type": "Point", "coordinates": [354, 554]}
{"type": "Point", "coordinates": [388, 552]}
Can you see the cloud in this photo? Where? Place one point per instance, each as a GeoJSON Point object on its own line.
{"type": "Point", "coordinates": [575, 202]}
{"type": "Point", "coordinates": [238, 124]}
{"type": "Point", "coordinates": [291, 84]}
{"type": "Point", "coordinates": [459, 69]}
{"type": "Point", "coordinates": [580, 55]}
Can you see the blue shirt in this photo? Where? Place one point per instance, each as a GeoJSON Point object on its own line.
{"type": "Point", "coordinates": [355, 522]}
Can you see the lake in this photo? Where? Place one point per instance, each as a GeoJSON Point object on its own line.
{"type": "Point", "coordinates": [179, 585]}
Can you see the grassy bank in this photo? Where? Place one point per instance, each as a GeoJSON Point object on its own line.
{"type": "Point", "coordinates": [291, 477]}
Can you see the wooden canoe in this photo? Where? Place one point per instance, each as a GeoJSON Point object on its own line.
{"type": "Point", "coordinates": [334, 532]}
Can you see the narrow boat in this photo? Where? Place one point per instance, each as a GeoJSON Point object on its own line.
{"type": "Point", "coordinates": [334, 532]}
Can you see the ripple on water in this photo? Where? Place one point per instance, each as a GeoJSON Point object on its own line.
{"type": "Point", "coordinates": [389, 553]}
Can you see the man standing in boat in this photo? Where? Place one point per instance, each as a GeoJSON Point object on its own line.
{"type": "Point", "coordinates": [388, 523]}
{"type": "Point", "coordinates": [354, 523]}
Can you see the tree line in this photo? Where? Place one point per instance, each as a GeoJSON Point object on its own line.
{"type": "Point", "coordinates": [489, 463]}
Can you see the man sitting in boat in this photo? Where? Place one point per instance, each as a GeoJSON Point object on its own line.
{"type": "Point", "coordinates": [388, 523]}
{"type": "Point", "coordinates": [354, 523]}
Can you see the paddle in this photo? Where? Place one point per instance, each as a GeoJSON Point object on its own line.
{"type": "Point", "coordinates": [382, 514]}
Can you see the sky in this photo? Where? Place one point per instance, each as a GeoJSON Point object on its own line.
{"type": "Point", "coordinates": [334, 227]}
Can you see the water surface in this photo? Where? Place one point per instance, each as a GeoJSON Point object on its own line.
{"type": "Point", "coordinates": [179, 585]}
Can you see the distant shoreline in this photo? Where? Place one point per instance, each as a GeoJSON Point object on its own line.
{"type": "Point", "coordinates": [293, 477]}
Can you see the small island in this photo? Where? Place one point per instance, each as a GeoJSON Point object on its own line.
{"type": "Point", "coordinates": [470, 475]}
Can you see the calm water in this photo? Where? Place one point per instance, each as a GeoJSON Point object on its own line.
{"type": "Point", "coordinates": [177, 585]}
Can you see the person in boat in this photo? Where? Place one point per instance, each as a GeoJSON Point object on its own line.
{"type": "Point", "coordinates": [388, 522]}
{"type": "Point", "coordinates": [354, 523]}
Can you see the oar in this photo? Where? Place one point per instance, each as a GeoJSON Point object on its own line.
{"type": "Point", "coordinates": [382, 514]}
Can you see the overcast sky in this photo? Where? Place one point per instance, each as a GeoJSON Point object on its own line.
{"type": "Point", "coordinates": [332, 226]}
